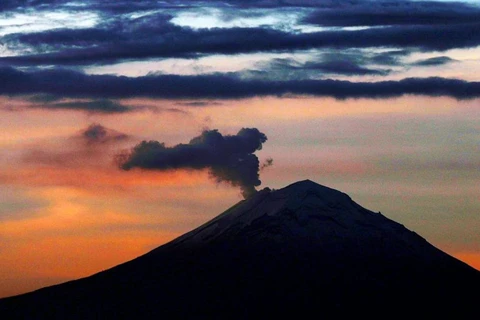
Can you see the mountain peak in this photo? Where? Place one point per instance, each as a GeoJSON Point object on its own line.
{"type": "Point", "coordinates": [307, 183]}
{"type": "Point", "coordinates": [305, 248]}
{"type": "Point", "coordinates": [302, 189]}
{"type": "Point", "coordinates": [304, 185]}
{"type": "Point", "coordinates": [301, 210]}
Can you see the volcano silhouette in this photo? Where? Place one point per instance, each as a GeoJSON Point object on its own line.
{"type": "Point", "coordinates": [302, 250]}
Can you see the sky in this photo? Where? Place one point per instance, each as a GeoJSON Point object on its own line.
{"type": "Point", "coordinates": [125, 124]}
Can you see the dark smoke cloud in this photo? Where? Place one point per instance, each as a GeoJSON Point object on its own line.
{"type": "Point", "coordinates": [267, 163]}
{"type": "Point", "coordinates": [229, 158]}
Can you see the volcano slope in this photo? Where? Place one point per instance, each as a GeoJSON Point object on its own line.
{"type": "Point", "coordinates": [305, 249]}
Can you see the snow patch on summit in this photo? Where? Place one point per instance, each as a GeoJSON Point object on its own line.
{"type": "Point", "coordinates": [304, 209]}
{"type": "Point", "coordinates": [306, 217]}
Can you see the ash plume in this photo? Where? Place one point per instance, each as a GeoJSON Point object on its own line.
{"type": "Point", "coordinates": [229, 158]}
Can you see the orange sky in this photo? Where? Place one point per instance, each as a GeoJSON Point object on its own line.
{"type": "Point", "coordinates": [68, 211]}
{"type": "Point", "coordinates": [84, 83]}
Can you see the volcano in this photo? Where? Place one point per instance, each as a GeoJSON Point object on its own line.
{"type": "Point", "coordinates": [305, 249]}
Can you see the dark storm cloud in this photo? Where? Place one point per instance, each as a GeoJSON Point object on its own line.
{"type": "Point", "coordinates": [66, 37]}
{"type": "Point", "coordinates": [8, 5]}
{"type": "Point", "coordinates": [164, 40]}
{"type": "Point", "coordinates": [108, 32]}
{"type": "Point", "coordinates": [381, 13]}
{"type": "Point", "coordinates": [229, 158]}
{"type": "Point", "coordinates": [218, 86]}
{"type": "Point", "coordinates": [435, 61]}
{"type": "Point", "coordinates": [16, 4]}
{"type": "Point", "coordinates": [111, 41]}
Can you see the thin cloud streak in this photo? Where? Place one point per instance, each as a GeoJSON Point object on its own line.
{"type": "Point", "coordinates": [435, 61]}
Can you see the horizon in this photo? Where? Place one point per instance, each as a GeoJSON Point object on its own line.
{"type": "Point", "coordinates": [127, 124]}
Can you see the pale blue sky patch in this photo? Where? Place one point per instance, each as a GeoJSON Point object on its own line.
{"type": "Point", "coordinates": [212, 17]}
{"type": "Point", "coordinates": [37, 21]}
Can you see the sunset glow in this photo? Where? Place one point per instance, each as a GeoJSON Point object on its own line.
{"type": "Point", "coordinates": [392, 119]}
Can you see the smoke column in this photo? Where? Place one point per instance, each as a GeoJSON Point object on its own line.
{"type": "Point", "coordinates": [228, 158]}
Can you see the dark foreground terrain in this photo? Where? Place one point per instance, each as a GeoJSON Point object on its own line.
{"type": "Point", "coordinates": [302, 250]}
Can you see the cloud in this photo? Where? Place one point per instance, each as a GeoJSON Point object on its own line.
{"type": "Point", "coordinates": [120, 6]}
{"type": "Point", "coordinates": [219, 86]}
{"type": "Point", "coordinates": [199, 103]}
{"type": "Point", "coordinates": [91, 146]}
{"type": "Point", "coordinates": [154, 36]}
{"type": "Point", "coordinates": [229, 158]}
{"type": "Point", "coordinates": [267, 163]}
{"type": "Point", "coordinates": [115, 37]}
{"type": "Point", "coordinates": [387, 13]}
{"type": "Point", "coordinates": [11, 4]}
{"type": "Point", "coordinates": [327, 63]}
{"type": "Point", "coordinates": [96, 133]}
{"type": "Point", "coordinates": [97, 106]}
{"type": "Point", "coordinates": [390, 58]}
{"type": "Point", "coordinates": [42, 99]}
{"type": "Point", "coordinates": [94, 106]}
{"type": "Point", "coordinates": [344, 67]}
{"type": "Point", "coordinates": [435, 61]}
